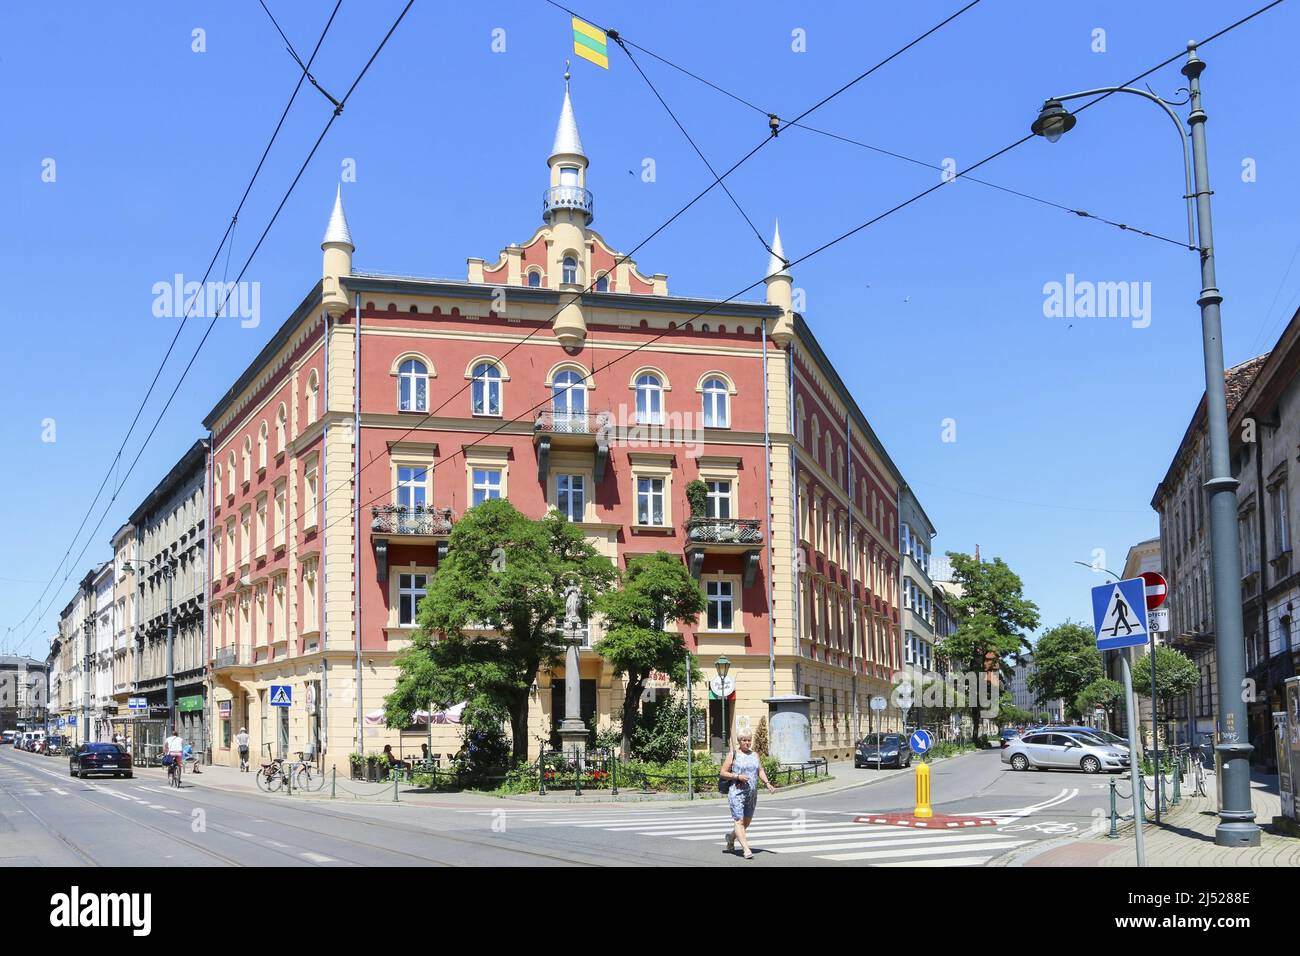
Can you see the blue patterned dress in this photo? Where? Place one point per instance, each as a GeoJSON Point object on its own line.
{"type": "Point", "coordinates": [743, 797]}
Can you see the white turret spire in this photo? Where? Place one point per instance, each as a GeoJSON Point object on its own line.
{"type": "Point", "coordinates": [777, 264]}
{"type": "Point", "coordinates": [337, 230]}
{"type": "Point", "coordinates": [567, 140]}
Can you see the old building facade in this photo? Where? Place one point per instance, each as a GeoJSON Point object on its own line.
{"type": "Point", "coordinates": [558, 376]}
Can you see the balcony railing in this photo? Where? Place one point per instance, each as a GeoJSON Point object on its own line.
{"type": "Point", "coordinates": [724, 531]}
{"type": "Point", "coordinates": [419, 520]}
{"type": "Point", "coordinates": [566, 197]}
{"type": "Point", "coordinates": [232, 656]}
{"type": "Point", "coordinates": [571, 423]}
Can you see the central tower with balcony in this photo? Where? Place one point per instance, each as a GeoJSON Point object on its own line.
{"type": "Point", "coordinates": [567, 209]}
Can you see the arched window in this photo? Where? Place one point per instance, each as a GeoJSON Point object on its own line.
{"type": "Point", "coordinates": [717, 414]}
{"type": "Point", "coordinates": [312, 389]}
{"type": "Point", "coordinates": [486, 391]}
{"type": "Point", "coordinates": [602, 283]}
{"type": "Point", "coordinates": [261, 447]}
{"type": "Point", "coordinates": [569, 401]}
{"type": "Point", "coordinates": [281, 421]}
{"type": "Point", "coordinates": [216, 480]}
{"type": "Point", "coordinates": [413, 386]}
{"type": "Point", "coordinates": [570, 269]}
{"type": "Point", "coordinates": [649, 400]}
{"type": "Point", "coordinates": [230, 474]}
{"type": "Point", "coordinates": [248, 459]}
{"type": "Point", "coordinates": [535, 279]}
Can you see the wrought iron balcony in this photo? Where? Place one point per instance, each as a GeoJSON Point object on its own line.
{"type": "Point", "coordinates": [737, 531]}
{"type": "Point", "coordinates": [420, 520]}
{"type": "Point", "coordinates": [573, 431]}
{"type": "Point", "coordinates": [571, 423]}
{"type": "Point", "coordinates": [566, 197]}
{"type": "Point", "coordinates": [743, 536]}
{"type": "Point", "coordinates": [233, 656]}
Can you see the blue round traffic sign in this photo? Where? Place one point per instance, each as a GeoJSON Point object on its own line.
{"type": "Point", "coordinates": [920, 741]}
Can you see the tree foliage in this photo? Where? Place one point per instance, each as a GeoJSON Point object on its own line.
{"type": "Point", "coordinates": [503, 581]}
{"type": "Point", "coordinates": [1104, 693]}
{"type": "Point", "coordinates": [1066, 660]}
{"type": "Point", "coordinates": [1176, 675]}
{"type": "Point", "coordinates": [992, 615]}
{"type": "Point", "coordinates": [656, 589]}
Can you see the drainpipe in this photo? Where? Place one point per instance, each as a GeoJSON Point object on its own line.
{"type": "Point", "coordinates": [767, 477]}
{"type": "Point", "coordinates": [207, 598]}
{"type": "Point", "coordinates": [1261, 518]}
{"type": "Point", "coordinates": [356, 508]}
{"type": "Point", "coordinates": [794, 520]}
{"type": "Point", "coordinates": [853, 587]}
{"type": "Point", "coordinates": [322, 606]}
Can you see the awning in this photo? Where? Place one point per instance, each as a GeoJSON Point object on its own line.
{"type": "Point", "coordinates": [452, 715]}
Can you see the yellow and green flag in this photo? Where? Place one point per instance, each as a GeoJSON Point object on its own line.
{"type": "Point", "coordinates": [590, 43]}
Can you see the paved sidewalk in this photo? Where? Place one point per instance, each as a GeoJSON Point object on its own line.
{"type": "Point", "coordinates": [1184, 838]}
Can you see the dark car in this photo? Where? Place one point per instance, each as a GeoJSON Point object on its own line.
{"type": "Point", "coordinates": [55, 744]}
{"type": "Point", "coordinates": [1007, 735]}
{"type": "Point", "coordinates": [99, 758]}
{"type": "Point", "coordinates": [892, 752]}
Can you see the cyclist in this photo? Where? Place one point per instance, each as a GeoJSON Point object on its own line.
{"type": "Point", "coordinates": [173, 753]}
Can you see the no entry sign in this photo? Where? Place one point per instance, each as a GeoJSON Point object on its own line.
{"type": "Point", "coordinates": [1157, 589]}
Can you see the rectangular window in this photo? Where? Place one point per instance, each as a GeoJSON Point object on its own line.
{"type": "Point", "coordinates": [410, 591]}
{"type": "Point", "coordinates": [570, 494]}
{"type": "Point", "coordinates": [650, 501]}
{"type": "Point", "coordinates": [720, 605]}
{"type": "Point", "coordinates": [412, 487]}
{"type": "Point", "coordinates": [261, 525]}
{"type": "Point", "coordinates": [310, 499]}
{"type": "Point", "coordinates": [281, 516]}
{"type": "Point", "coordinates": [718, 503]}
{"type": "Point", "coordinates": [1281, 519]}
{"type": "Point", "coordinates": [487, 484]}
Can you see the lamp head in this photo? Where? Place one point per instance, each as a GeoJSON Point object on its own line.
{"type": "Point", "coordinates": [1053, 121]}
{"type": "Point", "coordinates": [723, 666]}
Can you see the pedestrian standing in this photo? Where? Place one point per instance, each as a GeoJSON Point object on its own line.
{"type": "Point", "coordinates": [744, 768]}
{"type": "Point", "coordinates": [241, 741]}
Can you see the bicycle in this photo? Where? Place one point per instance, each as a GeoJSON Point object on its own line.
{"type": "Point", "coordinates": [271, 776]}
{"type": "Point", "coordinates": [305, 775]}
{"type": "Point", "coordinates": [174, 770]}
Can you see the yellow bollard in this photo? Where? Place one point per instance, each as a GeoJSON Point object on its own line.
{"type": "Point", "coordinates": [923, 809]}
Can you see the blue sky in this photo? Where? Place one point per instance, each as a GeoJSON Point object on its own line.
{"type": "Point", "coordinates": [1063, 426]}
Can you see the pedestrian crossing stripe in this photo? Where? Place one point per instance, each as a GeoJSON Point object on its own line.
{"type": "Point", "coordinates": [1119, 614]}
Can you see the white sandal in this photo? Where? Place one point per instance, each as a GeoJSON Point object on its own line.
{"type": "Point", "coordinates": [749, 855]}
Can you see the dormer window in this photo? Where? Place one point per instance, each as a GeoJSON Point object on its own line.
{"type": "Point", "coordinates": [602, 283]}
{"type": "Point", "coordinates": [568, 175]}
{"type": "Point", "coordinates": [534, 279]}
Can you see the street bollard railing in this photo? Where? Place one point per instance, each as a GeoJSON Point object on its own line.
{"type": "Point", "coordinates": [1114, 829]}
{"type": "Point", "coordinates": [334, 775]}
{"type": "Point", "coordinates": [1178, 786]}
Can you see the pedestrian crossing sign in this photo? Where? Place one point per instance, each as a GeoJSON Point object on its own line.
{"type": "Point", "coordinates": [1119, 614]}
{"type": "Point", "coordinates": [281, 695]}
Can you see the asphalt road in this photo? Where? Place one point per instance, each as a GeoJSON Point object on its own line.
{"type": "Point", "coordinates": [49, 818]}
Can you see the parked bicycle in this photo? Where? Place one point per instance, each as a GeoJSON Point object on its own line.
{"type": "Point", "coordinates": [270, 776]}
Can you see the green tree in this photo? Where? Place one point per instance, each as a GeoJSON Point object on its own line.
{"type": "Point", "coordinates": [1009, 715]}
{"type": "Point", "coordinates": [656, 589]}
{"type": "Point", "coordinates": [992, 615]}
{"type": "Point", "coordinates": [1104, 693]}
{"type": "Point", "coordinates": [1066, 660]}
{"type": "Point", "coordinates": [1176, 675]}
{"type": "Point", "coordinates": [506, 574]}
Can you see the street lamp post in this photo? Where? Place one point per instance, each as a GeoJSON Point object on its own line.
{"type": "Point", "coordinates": [723, 667]}
{"type": "Point", "coordinates": [1237, 825]}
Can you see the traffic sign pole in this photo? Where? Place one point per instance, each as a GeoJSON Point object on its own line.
{"type": "Point", "coordinates": [1135, 781]}
{"type": "Point", "coordinates": [1156, 589]}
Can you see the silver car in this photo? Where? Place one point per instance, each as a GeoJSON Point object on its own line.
{"type": "Point", "coordinates": [1061, 751]}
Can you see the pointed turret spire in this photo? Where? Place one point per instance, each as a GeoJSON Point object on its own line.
{"type": "Point", "coordinates": [777, 265]}
{"type": "Point", "coordinates": [337, 230]}
{"type": "Point", "coordinates": [567, 140]}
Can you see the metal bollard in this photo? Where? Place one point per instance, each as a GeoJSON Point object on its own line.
{"type": "Point", "coordinates": [334, 774]}
{"type": "Point", "coordinates": [1114, 831]}
{"type": "Point", "coordinates": [396, 777]}
{"type": "Point", "coordinates": [577, 774]}
{"type": "Point", "coordinates": [1178, 786]}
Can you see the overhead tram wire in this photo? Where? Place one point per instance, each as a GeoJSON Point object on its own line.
{"type": "Point", "coordinates": [225, 238]}
{"type": "Point", "coordinates": [334, 115]}
{"type": "Point", "coordinates": [790, 264]}
{"type": "Point", "coordinates": [717, 180]}
{"type": "Point", "coordinates": [1081, 213]}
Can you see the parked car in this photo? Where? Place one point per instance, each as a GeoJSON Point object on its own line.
{"type": "Point", "coordinates": [892, 751]}
{"type": "Point", "coordinates": [1114, 740]}
{"type": "Point", "coordinates": [1007, 735]}
{"type": "Point", "coordinates": [8, 737]}
{"type": "Point", "coordinates": [1059, 751]}
{"type": "Point", "coordinates": [55, 744]}
{"type": "Point", "coordinates": [99, 758]}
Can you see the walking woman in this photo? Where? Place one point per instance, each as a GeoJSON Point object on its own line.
{"type": "Point", "coordinates": [744, 769]}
